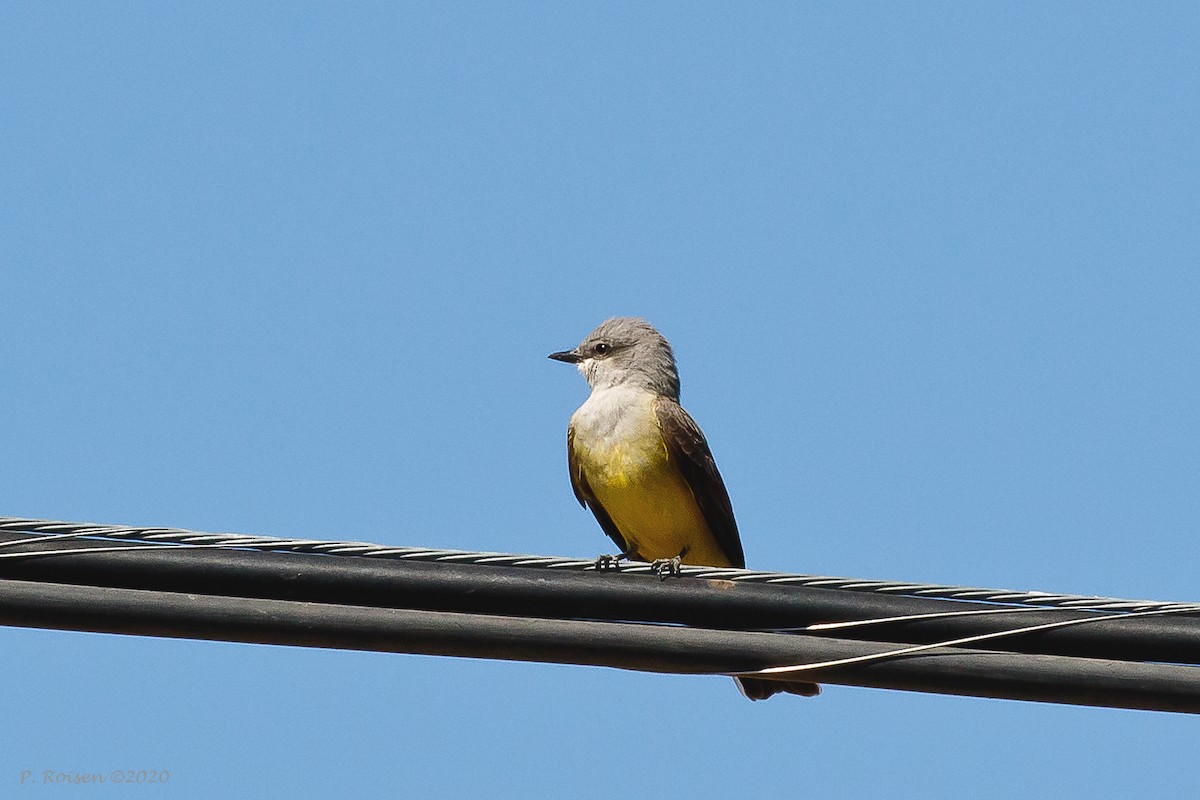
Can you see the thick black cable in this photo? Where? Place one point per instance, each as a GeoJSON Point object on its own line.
{"type": "Point", "coordinates": [528, 592]}
{"type": "Point", "coordinates": [67, 531]}
{"type": "Point", "coordinates": [1055, 679]}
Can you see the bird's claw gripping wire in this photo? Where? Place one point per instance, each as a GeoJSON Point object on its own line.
{"type": "Point", "coordinates": [608, 562]}
{"type": "Point", "coordinates": [667, 567]}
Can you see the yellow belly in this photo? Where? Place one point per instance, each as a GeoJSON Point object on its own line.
{"type": "Point", "coordinates": [651, 504]}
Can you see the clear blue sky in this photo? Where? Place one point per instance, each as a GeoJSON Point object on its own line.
{"type": "Point", "coordinates": [932, 273]}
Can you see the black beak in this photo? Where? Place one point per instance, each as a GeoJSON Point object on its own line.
{"type": "Point", "coordinates": [569, 356]}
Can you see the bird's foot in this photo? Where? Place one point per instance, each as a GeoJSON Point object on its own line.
{"type": "Point", "coordinates": [606, 562]}
{"type": "Point", "coordinates": [667, 567]}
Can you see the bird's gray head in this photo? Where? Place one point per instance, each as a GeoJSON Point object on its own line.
{"type": "Point", "coordinates": [626, 351]}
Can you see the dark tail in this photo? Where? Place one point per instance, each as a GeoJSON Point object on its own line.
{"type": "Point", "coordinates": [759, 689]}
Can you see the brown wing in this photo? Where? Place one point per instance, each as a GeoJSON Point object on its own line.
{"type": "Point", "coordinates": [687, 448]}
{"type": "Point", "coordinates": [583, 494]}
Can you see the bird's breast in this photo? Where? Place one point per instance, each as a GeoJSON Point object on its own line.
{"type": "Point", "coordinates": [617, 438]}
{"type": "Point", "coordinates": [621, 456]}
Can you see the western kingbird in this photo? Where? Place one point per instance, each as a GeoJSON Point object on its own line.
{"type": "Point", "coordinates": [643, 467]}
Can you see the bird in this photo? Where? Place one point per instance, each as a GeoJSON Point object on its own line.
{"type": "Point", "coordinates": [641, 464]}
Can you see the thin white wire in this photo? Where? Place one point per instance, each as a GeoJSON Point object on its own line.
{"type": "Point", "coordinates": [839, 662]}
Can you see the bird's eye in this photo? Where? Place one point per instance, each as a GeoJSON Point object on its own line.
{"type": "Point", "coordinates": [602, 348]}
